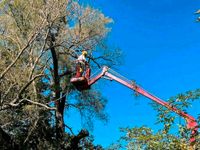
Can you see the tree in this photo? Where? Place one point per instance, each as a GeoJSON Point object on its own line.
{"type": "Point", "coordinates": [39, 41]}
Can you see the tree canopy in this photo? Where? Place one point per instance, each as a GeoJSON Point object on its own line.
{"type": "Point", "coordinates": [39, 41]}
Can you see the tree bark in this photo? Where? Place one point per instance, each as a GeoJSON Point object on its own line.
{"type": "Point", "coordinates": [60, 102]}
{"type": "Point", "coordinates": [76, 139]}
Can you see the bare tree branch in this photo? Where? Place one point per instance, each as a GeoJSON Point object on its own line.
{"type": "Point", "coordinates": [30, 132]}
{"type": "Point", "coordinates": [32, 102]}
{"type": "Point", "coordinates": [27, 84]}
{"type": "Point", "coordinates": [7, 92]}
{"type": "Point", "coordinates": [25, 87]}
{"type": "Point", "coordinates": [18, 56]}
{"type": "Point", "coordinates": [70, 129]}
{"type": "Point", "coordinates": [38, 58]}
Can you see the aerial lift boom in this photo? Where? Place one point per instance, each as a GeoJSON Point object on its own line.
{"type": "Point", "coordinates": [85, 83]}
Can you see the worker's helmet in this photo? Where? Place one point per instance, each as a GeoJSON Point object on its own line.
{"type": "Point", "coordinates": [84, 52]}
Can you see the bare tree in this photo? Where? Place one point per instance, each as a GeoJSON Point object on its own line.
{"type": "Point", "coordinates": [39, 41]}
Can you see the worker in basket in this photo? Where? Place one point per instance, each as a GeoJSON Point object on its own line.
{"type": "Point", "coordinates": [82, 65]}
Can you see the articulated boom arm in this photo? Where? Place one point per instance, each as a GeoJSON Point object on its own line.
{"type": "Point", "coordinates": [191, 122]}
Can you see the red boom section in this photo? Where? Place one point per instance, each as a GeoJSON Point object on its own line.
{"type": "Point", "coordinates": [191, 122]}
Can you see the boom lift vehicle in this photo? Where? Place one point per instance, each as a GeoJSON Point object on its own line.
{"type": "Point", "coordinates": [84, 82]}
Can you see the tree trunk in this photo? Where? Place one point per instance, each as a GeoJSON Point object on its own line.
{"type": "Point", "coordinates": [60, 102]}
{"type": "Point", "coordinates": [76, 139]}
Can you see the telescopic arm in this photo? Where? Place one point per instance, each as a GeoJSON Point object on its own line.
{"type": "Point", "coordinates": [191, 122]}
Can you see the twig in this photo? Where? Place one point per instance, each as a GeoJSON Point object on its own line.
{"type": "Point", "coordinates": [20, 53]}
{"type": "Point", "coordinates": [70, 129]}
{"type": "Point", "coordinates": [27, 84]}
{"type": "Point", "coordinates": [38, 58]}
{"type": "Point", "coordinates": [29, 134]}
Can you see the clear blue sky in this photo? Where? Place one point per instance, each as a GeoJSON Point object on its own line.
{"type": "Point", "coordinates": [161, 44]}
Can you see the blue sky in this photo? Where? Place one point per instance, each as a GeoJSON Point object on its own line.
{"type": "Point", "coordinates": [160, 42]}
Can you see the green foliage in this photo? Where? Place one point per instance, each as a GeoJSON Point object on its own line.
{"type": "Point", "coordinates": [182, 101]}
{"type": "Point", "coordinates": [145, 138]}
